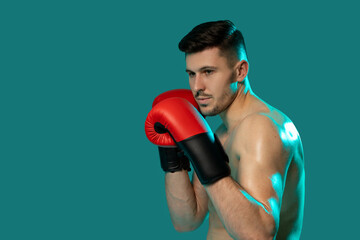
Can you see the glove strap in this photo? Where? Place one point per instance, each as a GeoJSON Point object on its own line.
{"type": "Point", "coordinates": [173, 159]}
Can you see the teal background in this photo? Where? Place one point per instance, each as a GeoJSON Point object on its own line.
{"type": "Point", "coordinates": [78, 79]}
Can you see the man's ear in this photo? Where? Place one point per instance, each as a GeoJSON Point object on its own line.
{"type": "Point", "coordinates": [242, 68]}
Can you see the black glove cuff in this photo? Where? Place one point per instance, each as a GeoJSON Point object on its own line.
{"type": "Point", "coordinates": [207, 156]}
{"type": "Point", "coordinates": [173, 159]}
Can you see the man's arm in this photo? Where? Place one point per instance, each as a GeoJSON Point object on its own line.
{"type": "Point", "coordinates": [187, 202]}
{"type": "Point", "coordinates": [250, 207]}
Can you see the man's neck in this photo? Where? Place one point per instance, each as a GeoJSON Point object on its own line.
{"type": "Point", "coordinates": [239, 108]}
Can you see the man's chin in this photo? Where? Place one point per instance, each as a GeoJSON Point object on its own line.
{"type": "Point", "coordinates": [207, 112]}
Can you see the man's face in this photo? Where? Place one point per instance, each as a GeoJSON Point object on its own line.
{"type": "Point", "coordinates": [212, 80]}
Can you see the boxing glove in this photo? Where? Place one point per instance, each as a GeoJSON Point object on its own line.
{"type": "Point", "coordinates": [180, 93]}
{"type": "Point", "coordinates": [172, 159]}
{"type": "Point", "coordinates": [180, 120]}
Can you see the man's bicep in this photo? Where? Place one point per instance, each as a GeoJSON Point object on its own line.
{"type": "Point", "coordinates": [262, 165]}
{"type": "Point", "coordinates": [263, 187]}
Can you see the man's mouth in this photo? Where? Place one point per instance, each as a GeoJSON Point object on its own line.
{"type": "Point", "coordinates": [203, 100]}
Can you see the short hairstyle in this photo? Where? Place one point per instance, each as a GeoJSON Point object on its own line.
{"type": "Point", "coordinates": [222, 34]}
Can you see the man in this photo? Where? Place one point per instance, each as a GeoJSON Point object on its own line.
{"type": "Point", "coordinates": [261, 196]}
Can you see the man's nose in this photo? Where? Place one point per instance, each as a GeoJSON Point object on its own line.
{"type": "Point", "coordinates": [199, 83]}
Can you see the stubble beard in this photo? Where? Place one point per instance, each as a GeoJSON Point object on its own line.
{"type": "Point", "coordinates": [220, 104]}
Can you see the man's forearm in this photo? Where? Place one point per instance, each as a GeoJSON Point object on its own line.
{"type": "Point", "coordinates": [242, 216]}
{"type": "Point", "coordinates": [181, 201]}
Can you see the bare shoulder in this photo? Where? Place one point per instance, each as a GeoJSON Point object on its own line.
{"type": "Point", "coordinates": [258, 125]}
{"type": "Point", "coordinates": [261, 134]}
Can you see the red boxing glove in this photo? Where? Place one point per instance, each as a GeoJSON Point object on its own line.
{"type": "Point", "coordinates": [180, 120]}
{"type": "Point", "coordinates": [172, 159]}
{"type": "Point", "coordinates": [170, 114]}
{"type": "Point", "coordinates": [180, 93]}
{"type": "Point", "coordinates": [165, 139]}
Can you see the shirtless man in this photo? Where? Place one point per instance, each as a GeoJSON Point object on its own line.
{"type": "Point", "coordinates": [262, 194]}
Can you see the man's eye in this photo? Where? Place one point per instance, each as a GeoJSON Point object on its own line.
{"type": "Point", "coordinates": [208, 72]}
{"type": "Point", "coordinates": [191, 74]}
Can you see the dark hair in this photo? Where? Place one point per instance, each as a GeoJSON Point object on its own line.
{"type": "Point", "coordinates": [222, 34]}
